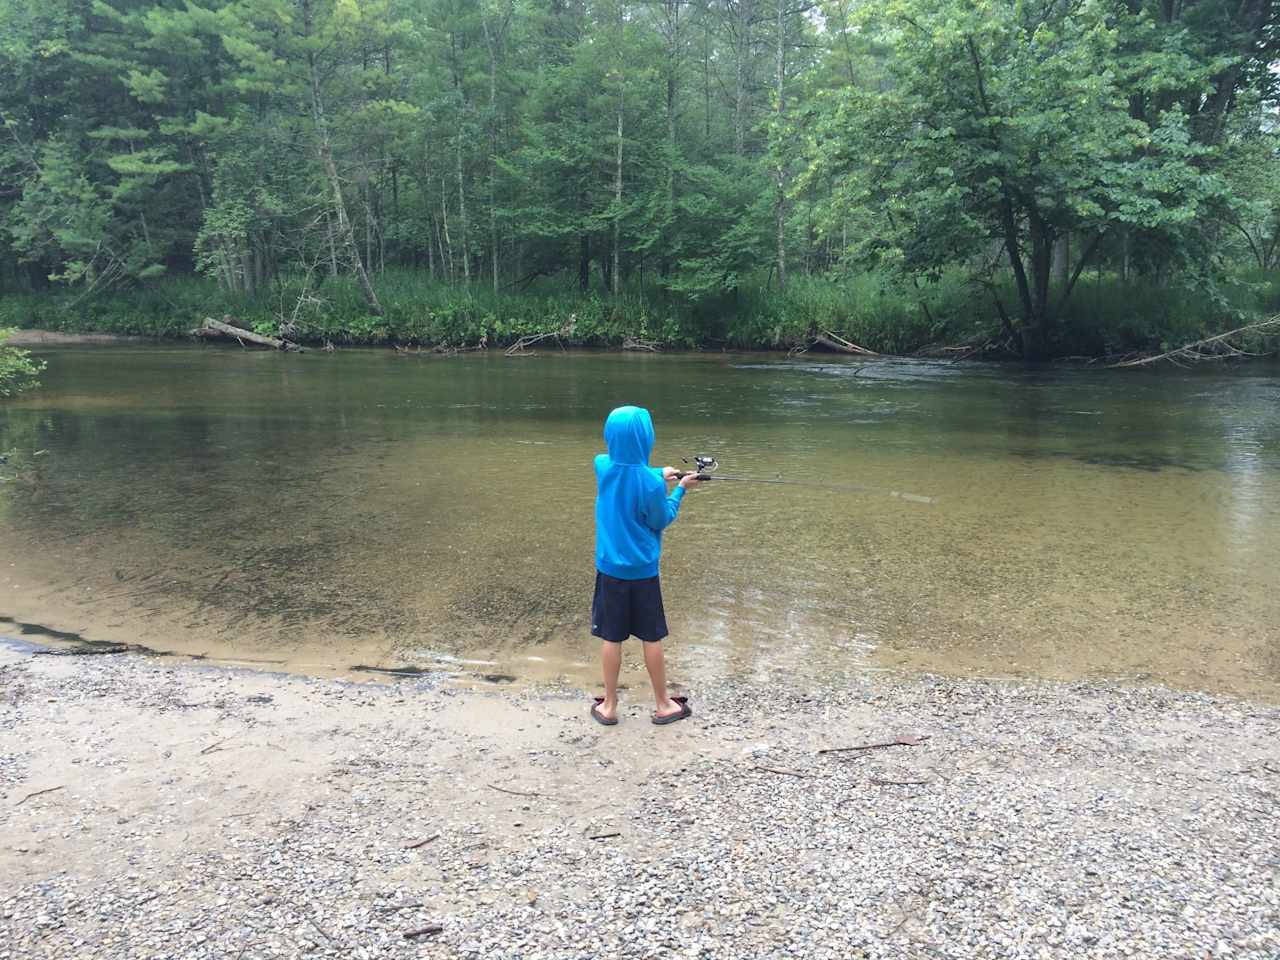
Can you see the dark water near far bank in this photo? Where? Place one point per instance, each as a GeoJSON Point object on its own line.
{"type": "Point", "coordinates": [326, 510]}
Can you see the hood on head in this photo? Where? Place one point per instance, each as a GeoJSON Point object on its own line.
{"type": "Point", "coordinates": [628, 432]}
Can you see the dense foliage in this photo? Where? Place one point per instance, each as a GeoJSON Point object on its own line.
{"type": "Point", "coordinates": [735, 171]}
{"type": "Point", "coordinates": [18, 370]}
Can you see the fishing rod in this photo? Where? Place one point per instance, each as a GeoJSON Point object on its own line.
{"type": "Point", "coordinates": [705, 467]}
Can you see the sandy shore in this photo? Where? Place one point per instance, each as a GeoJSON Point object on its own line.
{"type": "Point", "coordinates": [150, 809]}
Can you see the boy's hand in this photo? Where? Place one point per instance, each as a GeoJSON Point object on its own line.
{"type": "Point", "coordinates": [669, 473]}
{"type": "Point", "coordinates": [689, 481]}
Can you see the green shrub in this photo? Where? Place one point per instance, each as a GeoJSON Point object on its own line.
{"type": "Point", "coordinates": [18, 370]}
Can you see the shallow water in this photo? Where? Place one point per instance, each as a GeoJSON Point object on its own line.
{"type": "Point", "coordinates": [322, 511]}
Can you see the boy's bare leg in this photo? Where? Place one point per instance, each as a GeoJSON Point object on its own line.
{"type": "Point", "coordinates": [611, 662]}
{"type": "Point", "coordinates": [656, 664]}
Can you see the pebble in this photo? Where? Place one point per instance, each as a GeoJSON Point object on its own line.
{"type": "Point", "coordinates": [1039, 820]}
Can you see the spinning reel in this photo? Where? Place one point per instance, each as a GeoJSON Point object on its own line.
{"type": "Point", "coordinates": [705, 466]}
{"type": "Point", "coordinates": [704, 463]}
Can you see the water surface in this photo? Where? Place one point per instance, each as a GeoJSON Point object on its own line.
{"type": "Point", "coordinates": [362, 507]}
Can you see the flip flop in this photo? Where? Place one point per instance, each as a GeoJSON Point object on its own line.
{"type": "Point", "coordinates": [599, 717]}
{"type": "Point", "coordinates": [685, 711]}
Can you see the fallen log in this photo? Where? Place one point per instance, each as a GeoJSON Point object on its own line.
{"type": "Point", "coordinates": [212, 328]}
{"type": "Point", "coordinates": [841, 345]}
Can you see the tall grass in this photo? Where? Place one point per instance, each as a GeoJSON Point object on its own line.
{"type": "Point", "coordinates": [889, 315]}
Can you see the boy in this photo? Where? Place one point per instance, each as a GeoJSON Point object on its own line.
{"type": "Point", "coordinates": [632, 509]}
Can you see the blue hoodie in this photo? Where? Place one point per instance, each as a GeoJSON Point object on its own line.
{"type": "Point", "coordinates": [632, 506]}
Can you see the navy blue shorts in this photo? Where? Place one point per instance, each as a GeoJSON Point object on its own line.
{"type": "Point", "coordinates": [625, 608]}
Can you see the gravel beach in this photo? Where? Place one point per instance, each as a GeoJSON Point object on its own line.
{"type": "Point", "coordinates": [155, 809]}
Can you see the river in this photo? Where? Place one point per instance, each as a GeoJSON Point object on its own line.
{"type": "Point", "coordinates": [320, 511]}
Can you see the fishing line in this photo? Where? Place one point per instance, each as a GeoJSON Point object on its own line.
{"type": "Point", "coordinates": [707, 465]}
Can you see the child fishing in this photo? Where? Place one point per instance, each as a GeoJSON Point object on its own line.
{"type": "Point", "coordinates": [632, 509]}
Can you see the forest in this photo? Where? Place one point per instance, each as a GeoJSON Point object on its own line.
{"type": "Point", "coordinates": [1033, 178]}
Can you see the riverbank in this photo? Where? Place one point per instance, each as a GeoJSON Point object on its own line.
{"type": "Point", "coordinates": [57, 338]}
{"type": "Point", "coordinates": [949, 316]}
{"type": "Point", "coordinates": [151, 810]}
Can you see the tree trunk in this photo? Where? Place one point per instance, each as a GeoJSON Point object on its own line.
{"type": "Point", "coordinates": [1029, 330]}
{"type": "Point", "coordinates": [617, 200]}
{"type": "Point", "coordinates": [493, 149]}
{"type": "Point", "coordinates": [368, 228]}
{"type": "Point", "coordinates": [345, 234]}
{"type": "Point", "coordinates": [1041, 264]}
{"type": "Point", "coordinates": [333, 246]}
{"type": "Point", "coordinates": [446, 252]}
{"type": "Point", "coordinates": [462, 213]}
{"type": "Point", "coordinates": [456, 70]}
{"type": "Point", "coordinates": [742, 52]}
{"type": "Point", "coordinates": [673, 55]}
{"type": "Point", "coordinates": [431, 249]}
{"type": "Point", "coordinates": [584, 263]}
{"type": "Point", "coordinates": [1062, 260]}
{"type": "Point", "coordinates": [780, 172]}
{"type": "Point", "coordinates": [1070, 283]}
{"type": "Point", "coordinates": [706, 76]}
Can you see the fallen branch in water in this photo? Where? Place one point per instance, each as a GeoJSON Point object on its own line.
{"type": "Point", "coordinates": [520, 347]}
{"type": "Point", "coordinates": [903, 740]}
{"type": "Point", "coordinates": [635, 343]}
{"type": "Point", "coordinates": [37, 793]}
{"type": "Point", "coordinates": [212, 328]}
{"type": "Point", "coordinates": [983, 343]}
{"type": "Point", "coordinates": [964, 351]}
{"type": "Point", "coordinates": [839, 344]}
{"type": "Point", "coordinates": [445, 350]}
{"type": "Point", "coordinates": [1210, 348]}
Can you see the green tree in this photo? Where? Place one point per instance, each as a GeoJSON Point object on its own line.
{"type": "Point", "coordinates": [1253, 174]}
{"type": "Point", "coordinates": [1006, 126]}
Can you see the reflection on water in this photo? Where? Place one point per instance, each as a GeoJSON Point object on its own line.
{"type": "Point", "coordinates": [365, 508]}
